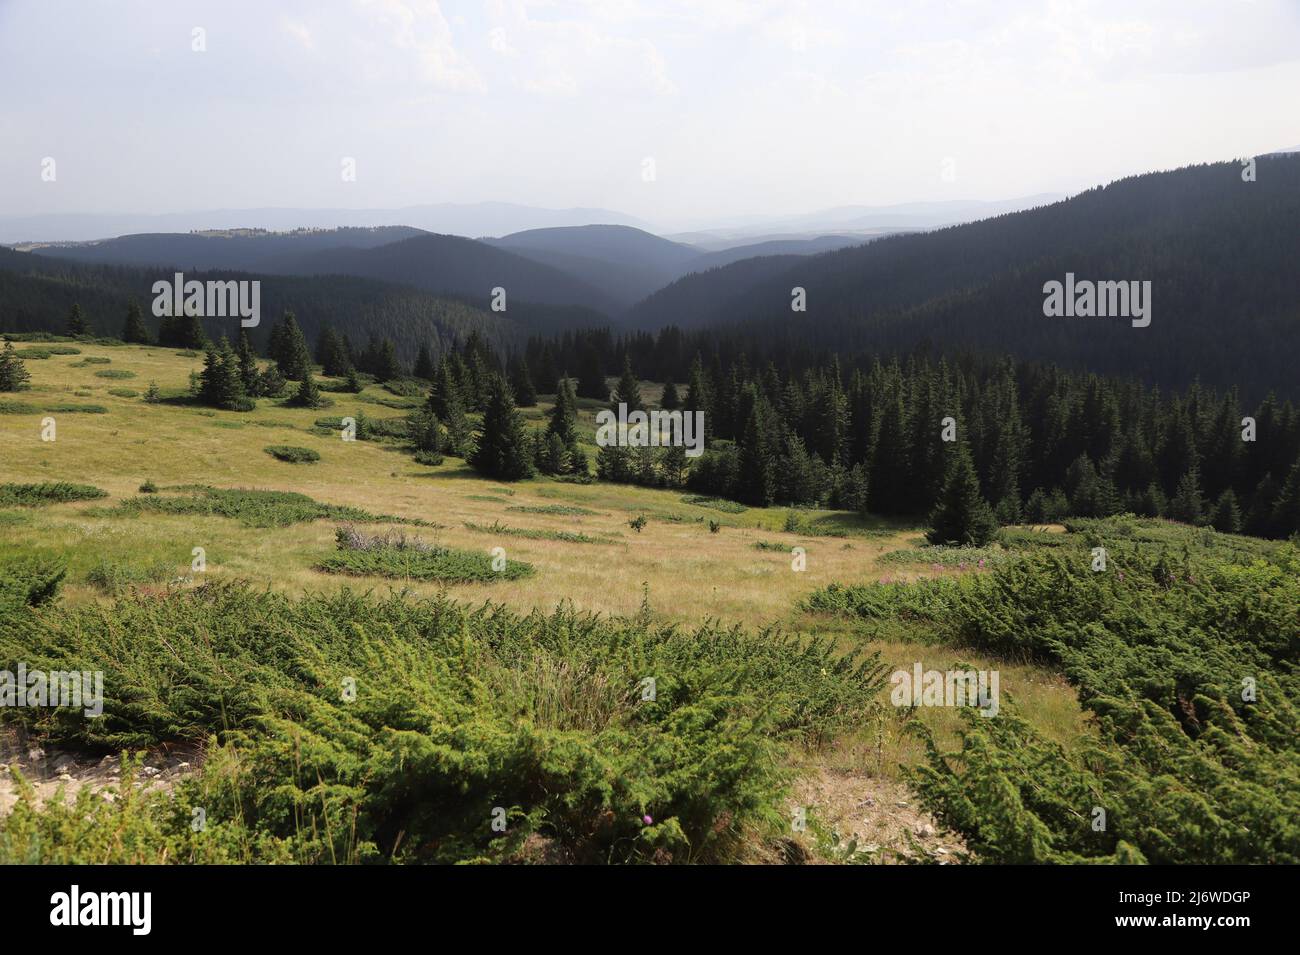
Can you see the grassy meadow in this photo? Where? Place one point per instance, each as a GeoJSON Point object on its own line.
{"type": "Point", "coordinates": [693, 564]}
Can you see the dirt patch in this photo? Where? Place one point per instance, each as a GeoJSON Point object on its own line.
{"type": "Point", "coordinates": [882, 816]}
{"type": "Point", "coordinates": [51, 771]}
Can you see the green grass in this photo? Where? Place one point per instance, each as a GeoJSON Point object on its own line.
{"type": "Point", "coordinates": [110, 576]}
{"type": "Point", "coordinates": [118, 373]}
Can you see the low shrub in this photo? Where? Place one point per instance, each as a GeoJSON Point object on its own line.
{"type": "Point", "coordinates": [291, 454]}
{"type": "Point", "coordinates": [452, 712]}
{"type": "Point", "coordinates": [254, 508]}
{"type": "Point", "coordinates": [54, 492]}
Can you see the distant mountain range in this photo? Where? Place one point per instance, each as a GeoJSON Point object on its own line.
{"type": "Point", "coordinates": [480, 219]}
{"type": "Point", "coordinates": [465, 219]}
{"type": "Point", "coordinates": [1219, 252]}
{"type": "Point", "coordinates": [606, 268]}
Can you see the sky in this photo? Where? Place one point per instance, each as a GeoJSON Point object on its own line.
{"type": "Point", "coordinates": [679, 113]}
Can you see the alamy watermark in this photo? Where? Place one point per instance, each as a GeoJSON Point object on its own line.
{"type": "Point", "coordinates": [1088, 299]}
{"type": "Point", "coordinates": [652, 429]}
{"type": "Point", "coordinates": [80, 689]}
{"type": "Point", "coordinates": [240, 299]}
{"type": "Point", "coordinates": [920, 687]}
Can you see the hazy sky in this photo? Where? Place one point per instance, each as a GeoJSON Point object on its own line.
{"type": "Point", "coordinates": [745, 107]}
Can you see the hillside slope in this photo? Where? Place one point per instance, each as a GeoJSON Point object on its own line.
{"type": "Point", "coordinates": [1220, 254]}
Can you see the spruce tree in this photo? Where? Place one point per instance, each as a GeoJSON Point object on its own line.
{"type": "Point", "coordinates": [503, 446]}
{"type": "Point", "coordinates": [1286, 514]}
{"type": "Point", "coordinates": [387, 367]}
{"type": "Point", "coordinates": [443, 388]}
{"type": "Point", "coordinates": [628, 390]}
{"type": "Point", "coordinates": [247, 364]}
{"type": "Point", "coordinates": [1227, 514]}
{"type": "Point", "coordinates": [308, 394]}
{"type": "Point", "coordinates": [14, 375]}
{"type": "Point", "coordinates": [289, 349]}
{"type": "Point", "coordinates": [331, 355]}
{"type": "Point", "coordinates": [220, 384]}
{"type": "Point", "coordinates": [77, 323]}
{"type": "Point", "coordinates": [962, 516]}
{"type": "Point", "coordinates": [190, 333]}
{"type": "Point", "coordinates": [1259, 518]}
{"type": "Point", "coordinates": [460, 435]}
{"type": "Point", "coordinates": [423, 430]}
{"type": "Point", "coordinates": [424, 367]}
{"type": "Point", "coordinates": [522, 383]}
{"type": "Point", "coordinates": [135, 332]}
{"type": "Point", "coordinates": [561, 429]}
{"type": "Point", "coordinates": [670, 401]}
{"type": "Point", "coordinates": [1187, 504]}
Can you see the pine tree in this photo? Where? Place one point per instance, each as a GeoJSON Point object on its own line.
{"type": "Point", "coordinates": [889, 457]}
{"type": "Point", "coordinates": [14, 375]}
{"type": "Point", "coordinates": [308, 394]}
{"type": "Point", "coordinates": [628, 390]}
{"type": "Point", "coordinates": [135, 332]}
{"type": "Point", "coordinates": [443, 388]}
{"type": "Point", "coordinates": [561, 429]}
{"type": "Point", "coordinates": [353, 381]}
{"type": "Point", "coordinates": [1187, 504]}
{"type": "Point", "coordinates": [270, 383]}
{"type": "Point", "coordinates": [697, 389]}
{"type": "Point", "coordinates": [424, 367]}
{"type": "Point", "coordinates": [1036, 507]}
{"type": "Point", "coordinates": [503, 447]}
{"type": "Point", "coordinates": [190, 333]}
{"type": "Point", "coordinates": [247, 364]}
{"type": "Point", "coordinates": [289, 349]}
{"type": "Point", "coordinates": [670, 401]}
{"type": "Point", "coordinates": [614, 463]}
{"type": "Point", "coordinates": [1227, 515]}
{"type": "Point", "coordinates": [756, 484]}
{"type": "Point", "coordinates": [1259, 519]}
{"type": "Point", "coordinates": [220, 384]}
{"type": "Point", "coordinates": [331, 355]}
{"type": "Point", "coordinates": [77, 323]}
{"type": "Point", "coordinates": [460, 434]}
{"type": "Point", "coordinates": [423, 430]}
{"type": "Point", "coordinates": [387, 367]}
{"type": "Point", "coordinates": [674, 465]}
{"type": "Point", "coordinates": [962, 516]}
{"type": "Point", "coordinates": [1286, 514]}
{"type": "Point", "coordinates": [522, 383]}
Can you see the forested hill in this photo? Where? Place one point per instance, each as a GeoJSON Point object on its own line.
{"type": "Point", "coordinates": [248, 250]}
{"type": "Point", "coordinates": [1220, 253]}
{"type": "Point", "coordinates": [36, 294]}
{"type": "Point", "coordinates": [448, 264]}
{"type": "Point", "coordinates": [442, 264]}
